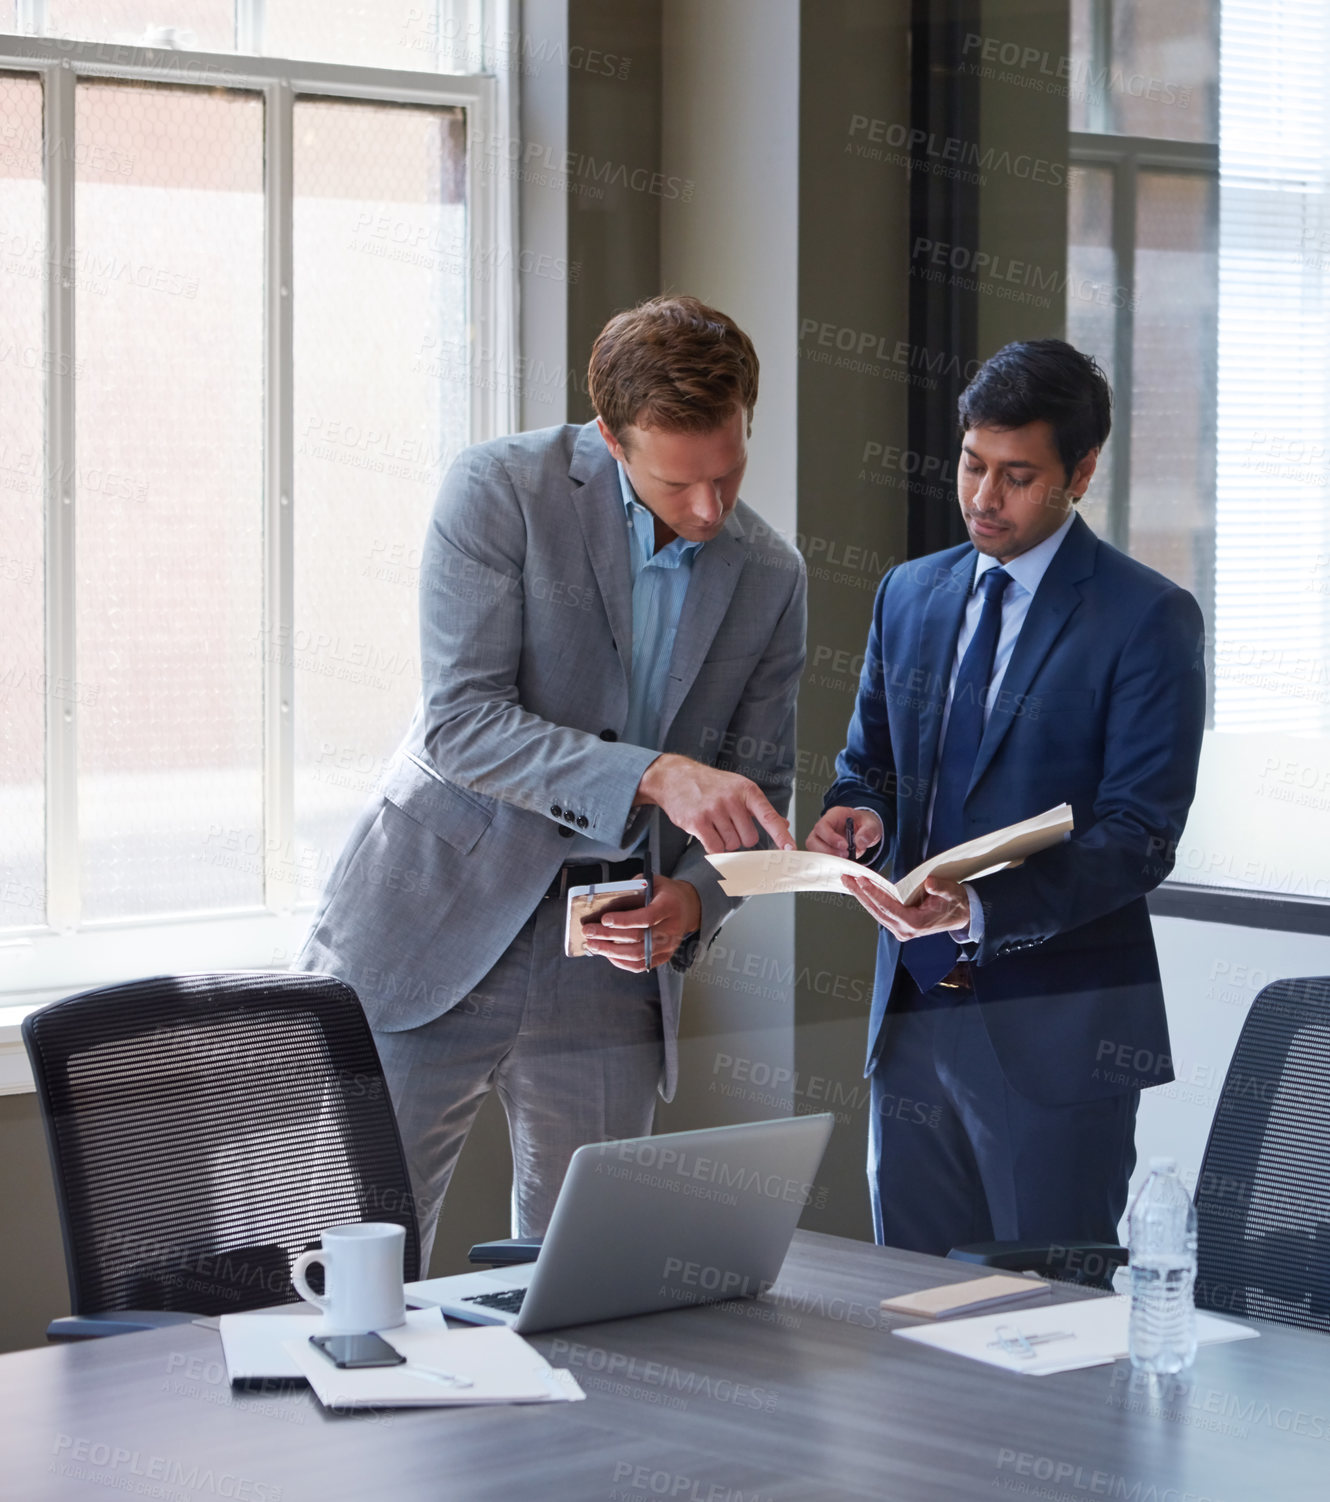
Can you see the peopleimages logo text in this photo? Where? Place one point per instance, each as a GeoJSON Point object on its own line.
{"type": "Point", "coordinates": [954, 151]}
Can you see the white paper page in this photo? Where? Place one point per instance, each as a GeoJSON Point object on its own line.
{"type": "Point", "coordinates": [255, 1344]}
{"type": "Point", "coordinates": [502, 1367]}
{"type": "Point", "coordinates": [969, 861]}
{"type": "Point", "coordinates": [753, 873]}
{"type": "Point", "coordinates": [563, 1386]}
{"type": "Point", "coordinates": [1065, 1337]}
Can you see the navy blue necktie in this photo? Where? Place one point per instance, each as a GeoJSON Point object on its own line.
{"type": "Point", "coordinates": [932, 957]}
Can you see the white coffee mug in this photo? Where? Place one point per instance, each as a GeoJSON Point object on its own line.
{"type": "Point", "coordinates": [362, 1278]}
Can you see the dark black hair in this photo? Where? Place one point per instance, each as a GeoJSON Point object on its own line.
{"type": "Point", "coordinates": [1042, 380]}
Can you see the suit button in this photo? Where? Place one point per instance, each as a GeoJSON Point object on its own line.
{"type": "Point", "coordinates": [556, 810]}
{"type": "Point", "coordinates": [609, 735]}
{"type": "Point", "coordinates": [565, 832]}
{"type": "Point", "coordinates": [582, 821]}
{"type": "Point", "coordinates": [570, 816]}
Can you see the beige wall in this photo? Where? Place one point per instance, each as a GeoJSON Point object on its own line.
{"type": "Point", "coordinates": [1023, 204]}
{"type": "Point", "coordinates": [730, 77]}
{"type": "Point", "coordinates": [853, 276]}
{"type": "Point", "coordinates": [33, 1290]}
{"type": "Point", "coordinates": [614, 235]}
{"type": "Point", "coordinates": [730, 131]}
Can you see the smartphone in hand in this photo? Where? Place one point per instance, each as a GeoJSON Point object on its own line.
{"type": "Point", "coordinates": [586, 904]}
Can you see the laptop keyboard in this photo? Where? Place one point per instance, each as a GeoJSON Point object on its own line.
{"type": "Point", "coordinates": [509, 1300]}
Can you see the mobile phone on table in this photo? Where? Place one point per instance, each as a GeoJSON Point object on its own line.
{"type": "Point", "coordinates": [586, 904]}
{"type": "Point", "coordinates": [352, 1352]}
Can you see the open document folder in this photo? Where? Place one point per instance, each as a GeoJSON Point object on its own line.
{"type": "Point", "coordinates": [751, 873]}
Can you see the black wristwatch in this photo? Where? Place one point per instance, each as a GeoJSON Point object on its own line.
{"type": "Point", "coordinates": [686, 953]}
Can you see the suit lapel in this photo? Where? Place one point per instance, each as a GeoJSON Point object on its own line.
{"type": "Point", "coordinates": [935, 653]}
{"type": "Point", "coordinates": [715, 575]}
{"type": "Point", "coordinates": [1055, 601]}
{"type": "Point", "coordinates": [598, 505]}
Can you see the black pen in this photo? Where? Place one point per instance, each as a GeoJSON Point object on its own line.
{"type": "Point", "coordinates": [849, 838]}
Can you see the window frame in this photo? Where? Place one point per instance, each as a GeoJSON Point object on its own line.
{"type": "Point", "coordinates": [1126, 157]}
{"type": "Point", "coordinates": [62, 955]}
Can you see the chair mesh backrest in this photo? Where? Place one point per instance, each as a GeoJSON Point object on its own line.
{"type": "Point", "coordinates": [1263, 1197]}
{"type": "Point", "coordinates": [205, 1130]}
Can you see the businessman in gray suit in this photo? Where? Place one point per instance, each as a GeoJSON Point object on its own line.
{"type": "Point", "coordinates": [611, 643]}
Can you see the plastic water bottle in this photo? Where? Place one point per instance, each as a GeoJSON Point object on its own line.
{"type": "Point", "coordinates": [1162, 1243]}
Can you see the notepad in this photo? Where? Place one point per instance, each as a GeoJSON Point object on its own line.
{"type": "Point", "coordinates": [971, 1297]}
{"type": "Point", "coordinates": [497, 1363]}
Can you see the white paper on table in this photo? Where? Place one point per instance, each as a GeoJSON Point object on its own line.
{"type": "Point", "coordinates": [503, 1369]}
{"type": "Point", "coordinates": [754, 873]}
{"type": "Point", "coordinates": [1089, 1332]}
{"type": "Point", "coordinates": [255, 1344]}
{"type": "Point", "coordinates": [563, 1386]}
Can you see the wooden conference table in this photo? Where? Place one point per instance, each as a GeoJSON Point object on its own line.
{"type": "Point", "coordinates": [802, 1395]}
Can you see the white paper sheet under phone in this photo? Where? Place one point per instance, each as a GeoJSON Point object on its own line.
{"type": "Point", "coordinates": [494, 1365]}
{"type": "Point", "coordinates": [255, 1344]}
{"type": "Point", "coordinates": [586, 904]}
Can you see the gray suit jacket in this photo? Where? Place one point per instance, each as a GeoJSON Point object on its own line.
{"type": "Point", "coordinates": [526, 650]}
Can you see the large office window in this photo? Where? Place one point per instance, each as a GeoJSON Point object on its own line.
{"type": "Point", "coordinates": [167, 494]}
{"type": "Point", "coordinates": [375, 424]}
{"type": "Point", "coordinates": [22, 549]}
{"type": "Point", "coordinates": [1200, 199]}
{"type": "Point", "coordinates": [242, 334]}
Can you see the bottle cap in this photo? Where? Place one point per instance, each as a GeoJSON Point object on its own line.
{"type": "Point", "coordinates": [1163, 1164]}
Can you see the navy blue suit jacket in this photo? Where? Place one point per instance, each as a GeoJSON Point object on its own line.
{"type": "Point", "coordinates": [1102, 706]}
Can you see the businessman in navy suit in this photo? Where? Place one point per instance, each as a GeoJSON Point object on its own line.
{"type": "Point", "coordinates": [1032, 666]}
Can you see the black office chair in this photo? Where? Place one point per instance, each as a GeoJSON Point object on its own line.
{"type": "Point", "coordinates": [1263, 1194]}
{"type": "Point", "coordinates": [204, 1131]}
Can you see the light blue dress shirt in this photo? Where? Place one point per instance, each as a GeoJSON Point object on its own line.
{"type": "Point", "coordinates": [660, 582]}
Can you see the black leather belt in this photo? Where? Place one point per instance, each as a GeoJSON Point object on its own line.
{"type": "Point", "coordinates": [587, 872]}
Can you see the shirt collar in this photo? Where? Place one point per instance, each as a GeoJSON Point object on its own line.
{"type": "Point", "coordinates": [1028, 569]}
{"type": "Point", "coordinates": [638, 515]}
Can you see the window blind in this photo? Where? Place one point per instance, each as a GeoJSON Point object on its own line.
{"type": "Point", "coordinates": [1272, 556]}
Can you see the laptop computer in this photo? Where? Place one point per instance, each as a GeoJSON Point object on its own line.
{"type": "Point", "coordinates": [652, 1223]}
